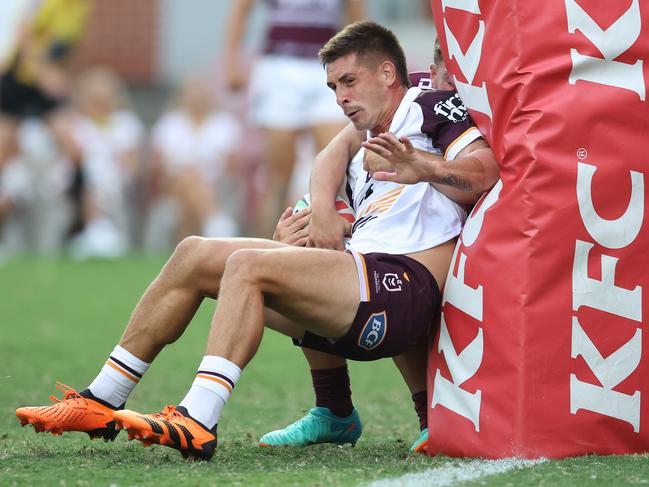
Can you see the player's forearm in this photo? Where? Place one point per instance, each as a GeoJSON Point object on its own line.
{"type": "Point", "coordinates": [464, 179]}
{"type": "Point", "coordinates": [327, 175]}
{"type": "Point", "coordinates": [330, 166]}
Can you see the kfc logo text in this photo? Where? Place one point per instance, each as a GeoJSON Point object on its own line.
{"type": "Point", "coordinates": [604, 295]}
{"type": "Point", "coordinates": [463, 365]}
{"type": "Point", "coordinates": [474, 96]}
{"type": "Point", "coordinates": [612, 42]}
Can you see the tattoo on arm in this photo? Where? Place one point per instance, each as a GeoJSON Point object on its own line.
{"type": "Point", "coordinates": [456, 182]}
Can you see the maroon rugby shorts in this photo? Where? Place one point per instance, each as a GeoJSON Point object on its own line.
{"type": "Point", "coordinates": [399, 301]}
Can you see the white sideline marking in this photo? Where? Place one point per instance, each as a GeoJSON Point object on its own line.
{"type": "Point", "coordinates": [456, 472]}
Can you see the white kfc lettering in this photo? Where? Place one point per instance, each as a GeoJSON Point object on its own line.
{"type": "Point", "coordinates": [612, 42]}
{"type": "Point", "coordinates": [614, 234]}
{"type": "Point", "coordinates": [610, 371]}
{"type": "Point", "coordinates": [469, 300]}
{"type": "Point", "coordinates": [462, 366]}
{"type": "Point", "coordinates": [470, 6]}
{"type": "Point", "coordinates": [474, 97]}
{"type": "Point", "coordinates": [602, 294]}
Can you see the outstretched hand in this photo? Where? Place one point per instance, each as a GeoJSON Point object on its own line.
{"type": "Point", "coordinates": [408, 168]}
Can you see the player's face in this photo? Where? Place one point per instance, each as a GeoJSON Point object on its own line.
{"type": "Point", "coordinates": [360, 91]}
{"type": "Point", "coordinates": [440, 78]}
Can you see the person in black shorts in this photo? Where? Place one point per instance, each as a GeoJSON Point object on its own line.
{"type": "Point", "coordinates": [35, 80]}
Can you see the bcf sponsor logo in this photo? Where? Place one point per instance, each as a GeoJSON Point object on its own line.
{"type": "Point", "coordinates": [374, 331]}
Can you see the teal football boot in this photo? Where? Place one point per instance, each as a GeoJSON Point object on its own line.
{"type": "Point", "coordinates": [318, 426]}
{"type": "Point", "coordinates": [420, 445]}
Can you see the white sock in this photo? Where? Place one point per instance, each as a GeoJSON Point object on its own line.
{"type": "Point", "coordinates": [118, 377]}
{"type": "Point", "coordinates": [215, 379]}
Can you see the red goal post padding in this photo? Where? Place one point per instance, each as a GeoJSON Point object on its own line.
{"type": "Point", "coordinates": [544, 342]}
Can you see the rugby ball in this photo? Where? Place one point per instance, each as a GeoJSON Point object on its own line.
{"type": "Point", "coordinates": [342, 207]}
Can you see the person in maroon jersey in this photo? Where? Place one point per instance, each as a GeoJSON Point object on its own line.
{"type": "Point", "coordinates": [288, 94]}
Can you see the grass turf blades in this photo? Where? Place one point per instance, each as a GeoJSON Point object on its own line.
{"type": "Point", "coordinates": [60, 321]}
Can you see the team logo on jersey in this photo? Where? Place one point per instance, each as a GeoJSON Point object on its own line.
{"type": "Point", "coordinates": [452, 108]}
{"type": "Point", "coordinates": [391, 282]}
{"type": "Point", "coordinates": [374, 331]}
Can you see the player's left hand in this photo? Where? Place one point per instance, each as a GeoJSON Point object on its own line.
{"type": "Point", "coordinates": [407, 167]}
{"type": "Point", "coordinates": [292, 229]}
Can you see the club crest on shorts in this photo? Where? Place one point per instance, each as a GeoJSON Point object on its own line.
{"type": "Point", "coordinates": [374, 331]}
{"type": "Point", "coordinates": [391, 282]}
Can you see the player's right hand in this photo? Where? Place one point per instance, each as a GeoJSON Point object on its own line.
{"type": "Point", "coordinates": [292, 229]}
{"type": "Point", "coordinates": [328, 230]}
{"type": "Point", "coordinates": [408, 168]}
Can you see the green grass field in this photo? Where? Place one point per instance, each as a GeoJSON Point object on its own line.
{"type": "Point", "coordinates": [60, 320]}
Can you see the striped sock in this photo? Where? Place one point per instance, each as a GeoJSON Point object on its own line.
{"type": "Point", "coordinates": [117, 378]}
{"type": "Point", "coordinates": [215, 379]}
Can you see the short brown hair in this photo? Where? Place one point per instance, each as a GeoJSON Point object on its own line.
{"type": "Point", "coordinates": [367, 40]}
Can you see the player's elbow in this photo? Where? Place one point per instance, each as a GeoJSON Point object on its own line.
{"type": "Point", "coordinates": [489, 172]}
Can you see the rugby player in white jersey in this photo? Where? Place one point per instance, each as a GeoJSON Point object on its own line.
{"type": "Point", "coordinates": [376, 300]}
{"type": "Point", "coordinates": [334, 418]}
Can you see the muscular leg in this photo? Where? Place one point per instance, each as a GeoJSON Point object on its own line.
{"type": "Point", "coordinates": [165, 310]}
{"type": "Point", "coordinates": [412, 366]}
{"type": "Point", "coordinates": [304, 285]}
{"type": "Point", "coordinates": [192, 273]}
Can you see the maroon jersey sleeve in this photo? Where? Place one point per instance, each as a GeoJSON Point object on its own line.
{"type": "Point", "coordinates": [445, 118]}
{"type": "Point", "coordinates": [420, 79]}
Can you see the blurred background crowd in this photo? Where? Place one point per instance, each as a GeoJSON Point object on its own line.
{"type": "Point", "coordinates": [128, 125]}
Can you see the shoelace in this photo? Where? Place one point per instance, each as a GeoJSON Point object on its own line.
{"type": "Point", "coordinates": [170, 412]}
{"type": "Point", "coordinates": [68, 393]}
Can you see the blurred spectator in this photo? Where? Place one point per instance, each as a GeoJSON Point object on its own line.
{"type": "Point", "coordinates": [16, 197]}
{"type": "Point", "coordinates": [194, 161]}
{"type": "Point", "coordinates": [110, 136]}
{"type": "Point", "coordinates": [288, 86]}
{"type": "Point", "coordinates": [34, 82]}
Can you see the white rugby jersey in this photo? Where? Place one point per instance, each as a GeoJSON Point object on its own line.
{"type": "Point", "coordinates": [405, 218]}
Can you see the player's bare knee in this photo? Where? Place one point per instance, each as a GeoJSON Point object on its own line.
{"type": "Point", "coordinates": [187, 249]}
{"type": "Point", "coordinates": [184, 260]}
{"type": "Point", "coordinates": [244, 265]}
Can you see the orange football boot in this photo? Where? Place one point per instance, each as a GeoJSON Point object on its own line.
{"type": "Point", "coordinates": [172, 427]}
{"type": "Point", "coordinates": [72, 413]}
